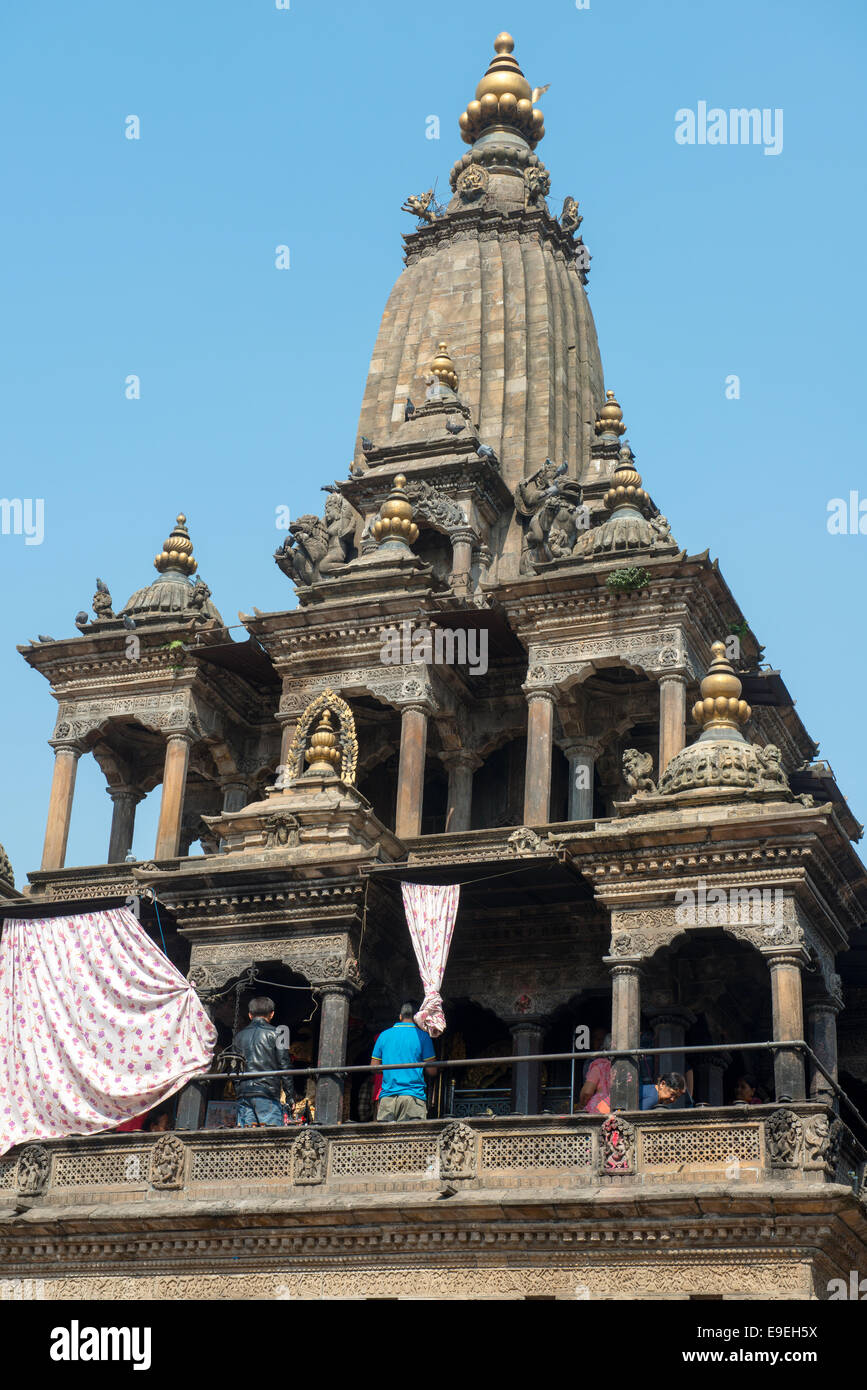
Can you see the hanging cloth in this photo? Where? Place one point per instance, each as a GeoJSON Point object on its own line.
{"type": "Point", "coordinates": [431, 910]}
{"type": "Point", "coordinates": [96, 1025]}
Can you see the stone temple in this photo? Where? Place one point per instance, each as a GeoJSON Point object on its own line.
{"type": "Point", "coordinates": [496, 667]}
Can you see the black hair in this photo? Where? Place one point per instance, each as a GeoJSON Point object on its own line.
{"type": "Point", "coordinates": [749, 1079]}
{"type": "Point", "coordinates": [261, 1006]}
{"type": "Point", "coordinates": [407, 1010]}
{"type": "Point", "coordinates": [672, 1079]}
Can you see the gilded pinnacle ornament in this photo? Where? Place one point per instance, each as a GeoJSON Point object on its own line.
{"type": "Point", "coordinates": [443, 368]}
{"type": "Point", "coordinates": [610, 417]}
{"type": "Point", "coordinates": [323, 753]}
{"type": "Point", "coordinates": [626, 489]}
{"type": "Point", "coordinates": [721, 707]}
{"type": "Point", "coordinates": [504, 100]}
{"type": "Point", "coordinates": [177, 551]}
{"type": "Point", "coordinates": [394, 525]}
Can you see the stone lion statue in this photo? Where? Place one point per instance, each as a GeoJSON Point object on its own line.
{"type": "Point", "coordinates": [303, 550]}
{"type": "Point", "coordinates": [637, 768]}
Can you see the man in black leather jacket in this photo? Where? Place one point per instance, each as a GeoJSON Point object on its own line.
{"type": "Point", "coordinates": [259, 1098]}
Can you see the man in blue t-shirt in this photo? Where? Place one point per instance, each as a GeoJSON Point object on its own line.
{"type": "Point", "coordinates": [403, 1094]}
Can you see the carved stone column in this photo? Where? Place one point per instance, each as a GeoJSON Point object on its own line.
{"type": "Point", "coordinates": [124, 799]}
{"type": "Point", "coordinates": [287, 735]}
{"type": "Point", "coordinates": [822, 1038]}
{"type": "Point", "coordinates": [669, 1030]}
{"type": "Point", "coordinates": [410, 777]}
{"type": "Point", "coordinates": [172, 804]}
{"type": "Point", "coordinates": [709, 1075]}
{"type": "Point", "coordinates": [537, 779]}
{"type": "Point", "coordinates": [460, 764]}
{"type": "Point", "coordinates": [66, 756]}
{"type": "Point", "coordinates": [582, 754]}
{"type": "Point", "coordinates": [462, 540]}
{"type": "Point", "coordinates": [788, 1015]}
{"type": "Point", "coordinates": [672, 718]}
{"type": "Point", "coordinates": [625, 1032]}
{"type": "Point", "coordinates": [527, 1038]}
{"type": "Point", "coordinates": [236, 793]}
{"type": "Point", "coordinates": [333, 1028]}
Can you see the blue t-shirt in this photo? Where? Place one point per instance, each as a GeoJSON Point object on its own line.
{"type": "Point", "coordinates": [649, 1097]}
{"type": "Point", "coordinates": [404, 1043]}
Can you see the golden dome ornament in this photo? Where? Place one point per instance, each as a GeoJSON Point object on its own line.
{"type": "Point", "coordinates": [504, 99]}
{"type": "Point", "coordinates": [177, 551]}
{"type": "Point", "coordinates": [720, 706]}
{"type": "Point", "coordinates": [443, 368]}
{"type": "Point", "coordinates": [323, 754]}
{"type": "Point", "coordinates": [610, 417]}
{"type": "Point", "coordinates": [394, 525]}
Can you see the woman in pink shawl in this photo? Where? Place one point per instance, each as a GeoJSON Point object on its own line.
{"type": "Point", "coordinates": [595, 1094]}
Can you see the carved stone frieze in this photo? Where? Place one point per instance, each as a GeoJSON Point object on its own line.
{"type": "Point", "coordinates": [617, 1145]}
{"type": "Point", "coordinates": [655, 652]}
{"type": "Point", "coordinates": [168, 1162]}
{"type": "Point", "coordinates": [783, 1136]}
{"type": "Point", "coordinates": [34, 1164]}
{"type": "Point", "coordinates": [316, 958]}
{"type": "Point", "coordinates": [309, 1158]}
{"type": "Point", "coordinates": [458, 1151]}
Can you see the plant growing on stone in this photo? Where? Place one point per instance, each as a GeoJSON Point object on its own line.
{"type": "Point", "coordinates": [630, 580]}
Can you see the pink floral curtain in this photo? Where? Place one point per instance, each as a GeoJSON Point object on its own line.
{"type": "Point", "coordinates": [96, 1026]}
{"type": "Point", "coordinates": [431, 910]}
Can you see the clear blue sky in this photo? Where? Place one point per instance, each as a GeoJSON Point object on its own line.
{"type": "Point", "coordinates": [306, 127]}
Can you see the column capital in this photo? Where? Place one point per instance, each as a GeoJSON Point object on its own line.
{"type": "Point", "coordinates": [67, 745]}
{"type": "Point", "coordinates": [540, 692]}
{"type": "Point", "coordinates": [526, 1026]}
{"type": "Point", "coordinates": [620, 968]}
{"type": "Point", "coordinates": [409, 706]}
{"type": "Point", "coordinates": [672, 678]}
{"type": "Point", "coordinates": [830, 1004]}
{"type": "Point", "coordinates": [461, 758]}
{"type": "Point", "coordinates": [464, 534]}
{"type": "Point", "coordinates": [796, 956]}
{"type": "Point", "coordinates": [125, 793]}
{"type": "Point", "coordinates": [186, 736]}
{"type": "Point", "coordinates": [578, 745]}
{"type": "Point", "coordinates": [345, 989]}
{"type": "Point", "coordinates": [680, 1018]}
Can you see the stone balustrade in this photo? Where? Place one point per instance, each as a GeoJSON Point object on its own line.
{"type": "Point", "coordinates": [795, 1144]}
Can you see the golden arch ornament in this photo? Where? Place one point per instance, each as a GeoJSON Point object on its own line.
{"type": "Point", "coordinates": [347, 740]}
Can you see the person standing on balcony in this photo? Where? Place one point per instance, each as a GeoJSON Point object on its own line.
{"type": "Point", "coordinates": [666, 1091]}
{"type": "Point", "coordinates": [403, 1096]}
{"type": "Point", "coordinates": [259, 1098]}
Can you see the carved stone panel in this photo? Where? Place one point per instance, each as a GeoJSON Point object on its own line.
{"type": "Point", "coordinates": [309, 1158]}
{"type": "Point", "coordinates": [34, 1163]}
{"type": "Point", "coordinates": [168, 1163]}
{"type": "Point", "coordinates": [458, 1145]}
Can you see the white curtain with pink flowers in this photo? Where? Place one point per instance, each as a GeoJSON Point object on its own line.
{"type": "Point", "coordinates": [96, 1026]}
{"type": "Point", "coordinates": [431, 910]}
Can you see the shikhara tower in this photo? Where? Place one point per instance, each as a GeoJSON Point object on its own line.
{"type": "Point", "coordinates": [624, 745]}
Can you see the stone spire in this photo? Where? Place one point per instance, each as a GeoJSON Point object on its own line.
{"type": "Point", "coordinates": [177, 551]}
{"type": "Point", "coordinates": [503, 101]}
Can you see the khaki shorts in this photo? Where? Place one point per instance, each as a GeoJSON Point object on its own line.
{"type": "Point", "coordinates": [401, 1108]}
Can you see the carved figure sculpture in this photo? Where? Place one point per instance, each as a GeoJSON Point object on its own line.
{"type": "Point", "coordinates": [637, 768]}
{"type": "Point", "coordinates": [419, 204]}
{"type": "Point", "coordinates": [551, 513]}
{"type": "Point", "coordinates": [33, 1165]}
{"type": "Point", "coordinates": [570, 218]}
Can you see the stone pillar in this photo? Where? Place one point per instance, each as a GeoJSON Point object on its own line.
{"type": "Point", "coordinates": [333, 1028]}
{"type": "Point", "coordinates": [672, 718]}
{"type": "Point", "coordinates": [582, 754]}
{"type": "Point", "coordinates": [625, 1032]}
{"type": "Point", "coordinates": [537, 779]}
{"type": "Point", "coordinates": [125, 800]}
{"type": "Point", "coordinates": [462, 560]}
{"type": "Point", "coordinates": [172, 804]}
{"type": "Point", "coordinates": [709, 1074]}
{"type": "Point", "coordinates": [287, 736]}
{"type": "Point", "coordinates": [66, 756]}
{"type": "Point", "coordinates": [788, 1015]}
{"type": "Point", "coordinates": [410, 777]}
{"type": "Point", "coordinates": [669, 1030]}
{"type": "Point", "coordinates": [822, 1038]}
{"type": "Point", "coordinates": [460, 764]}
{"type": "Point", "coordinates": [527, 1038]}
{"type": "Point", "coordinates": [236, 794]}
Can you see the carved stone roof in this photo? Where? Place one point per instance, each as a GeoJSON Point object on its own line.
{"type": "Point", "coordinates": [171, 594]}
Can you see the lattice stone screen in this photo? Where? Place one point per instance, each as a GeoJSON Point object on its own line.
{"type": "Point", "coordinates": [716, 1144]}
{"type": "Point", "coordinates": [101, 1169]}
{"type": "Point", "coordinates": [237, 1163]}
{"type": "Point", "coordinates": [7, 1172]}
{"type": "Point", "coordinates": [513, 1151]}
{"type": "Point", "coordinates": [390, 1156]}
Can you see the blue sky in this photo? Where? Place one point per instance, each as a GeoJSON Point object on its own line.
{"type": "Point", "coordinates": [306, 127]}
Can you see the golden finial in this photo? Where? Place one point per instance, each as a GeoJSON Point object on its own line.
{"type": "Point", "coordinates": [610, 418]}
{"type": "Point", "coordinates": [444, 368]}
{"type": "Point", "coordinates": [504, 97]}
{"type": "Point", "coordinates": [721, 706]}
{"type": "Point", "coordinates": [626, 489]}
{"type": "Point", "coordinates": [395, 523]}
{"type": "Point", "coordinates": [177, 551]}
{"type": "Point", "coordinates": [322, 752]}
